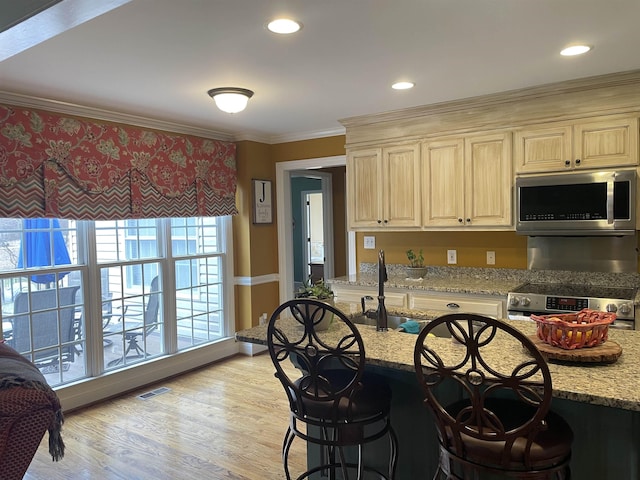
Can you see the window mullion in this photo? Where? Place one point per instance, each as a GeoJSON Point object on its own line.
{"type": "Point", "coordinates": [168, 285]}
{"type": "Point", "coordinates": [92, 315]}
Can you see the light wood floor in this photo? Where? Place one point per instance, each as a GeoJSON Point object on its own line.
{"type": "Point", "coordinates": [226, 421]}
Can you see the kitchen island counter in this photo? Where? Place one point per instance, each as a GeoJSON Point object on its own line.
{"type": "Point", "coordinates": [601, 402]}
{"type": "Point", "coordinates": [611, 385]}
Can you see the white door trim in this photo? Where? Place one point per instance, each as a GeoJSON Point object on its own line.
{"type": "Point", "coordinates": [283, 209]}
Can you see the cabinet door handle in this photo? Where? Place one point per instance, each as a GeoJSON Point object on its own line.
{"type": "Point", "coordinates": [453, 305]}
{"type": "Point", "coordinates": [379, 221]}
{"type": "Point", "coordinates": [460, 220]}
{"type": "Point", "coordinates": [577, 161]}
{"type": "Point", "coordinates": [567, 163]}
{"type": "Point", "coordinates": [468, 220]}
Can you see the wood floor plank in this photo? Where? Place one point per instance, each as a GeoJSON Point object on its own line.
{"type": "Point", "coordinates": [225, 421]}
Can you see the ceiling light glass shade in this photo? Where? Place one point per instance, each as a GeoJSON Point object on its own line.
{"type": "Point", "coordinates": [284, 26]}
{"type": "Point", "coordinates": [402, 85]}
{"type": "Point", "coordinates": [230, 99]}
{"type": "Point", "coordinates": [575, 50]}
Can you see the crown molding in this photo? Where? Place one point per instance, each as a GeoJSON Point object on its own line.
{"type": "Point", "coordinates": [496, 99]}
{"type": "Point", "coordinates": [289, 137]}
{"type": "Point", "coordinates": [296, 137]}
{"type": "Point", "coordinates": [19, 100]}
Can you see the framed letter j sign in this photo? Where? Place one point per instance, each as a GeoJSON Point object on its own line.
{"type": "Point", "coordinates": [262, 209]}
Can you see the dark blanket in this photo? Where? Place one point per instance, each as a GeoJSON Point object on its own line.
{"type": "Point", "coordinates": [17, 371]}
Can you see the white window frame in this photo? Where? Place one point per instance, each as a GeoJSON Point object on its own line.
{"type": "Point", "coordinates": [95, 388]}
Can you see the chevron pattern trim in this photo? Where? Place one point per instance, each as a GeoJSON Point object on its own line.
{"type": "Point", "coordinates": [24, 199]}
{"type": "Point", "coordinates": [72, 202]}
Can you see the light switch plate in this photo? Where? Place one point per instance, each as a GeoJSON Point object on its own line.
{"type": "Point", "coordinates": [452, 256]}
{"type": "Point", "coordinates": [491, 257]}
{"type": "Point", "coordinates": [369, 242]}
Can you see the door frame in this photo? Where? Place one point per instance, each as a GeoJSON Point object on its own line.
{"type": "Point", "coordinates": [284, 171]}
{"type": "Point", "coordinates": [327, 220]}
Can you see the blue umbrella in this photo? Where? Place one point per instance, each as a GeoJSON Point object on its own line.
{"type": "Point", "coordinates": [39, 249]}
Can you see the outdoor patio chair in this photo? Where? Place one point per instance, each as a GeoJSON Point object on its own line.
{"type": "Point", "coordinates": [133, 328]}
{"type": "Point", "coordinates": [43, 322]}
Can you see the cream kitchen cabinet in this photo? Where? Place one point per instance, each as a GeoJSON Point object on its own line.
{"type": "Point", "coordinates": [603, 142]}
{"type": "Point", "coordinates": [467, 182]}
{"type": "Point", "coordinates": [350, 294]}
{"type": "Point", "coordinates": [492, 306]}
{"type": "Point", "coordinates": [383, 188]}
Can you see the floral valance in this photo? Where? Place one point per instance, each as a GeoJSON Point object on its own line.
{"type": "Point", "coordinates": [68, 167]}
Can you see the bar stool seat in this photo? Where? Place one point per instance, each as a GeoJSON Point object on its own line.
{"type": "Point", "coordinates": [500, 422]}
{"type": "Point", "coordinates": [333, 403]}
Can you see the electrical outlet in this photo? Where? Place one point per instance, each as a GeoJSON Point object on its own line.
{"type": "Point", "coordinates": [491, 258]}
{"type": "Point", "coordinates": [452, 256]}
{"type": "Point", "coordinates": [369, 242]}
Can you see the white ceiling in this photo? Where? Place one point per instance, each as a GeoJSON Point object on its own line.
{"type": "Point", "coordinates": [158, 58]}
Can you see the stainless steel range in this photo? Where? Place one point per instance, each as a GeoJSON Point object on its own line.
{"type": "Point", "coordinates": [548, 298]}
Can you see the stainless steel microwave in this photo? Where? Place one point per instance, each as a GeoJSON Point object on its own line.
{"type": "Point", "coordinates": [577, 204]}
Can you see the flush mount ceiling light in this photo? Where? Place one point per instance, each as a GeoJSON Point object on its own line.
{"type": "Point", "coordinates": [575, 50]}
{"type": "Point", "coordinates": [284, 26]}
{"type": "Point", "coordinates": [230, 99]}
{"type": "Point", "coordinates": [402, 85]}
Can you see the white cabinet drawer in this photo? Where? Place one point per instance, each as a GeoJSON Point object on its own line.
{"type": "Point", "coordinates": [348, 294]}
{"type": "Point", "coordinates": [457, 304]}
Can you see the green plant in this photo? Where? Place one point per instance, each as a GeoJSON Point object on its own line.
{"type": "Point", "coordinates": [318, 290]}
{"type": "Point", "coordinates": [415, 260]}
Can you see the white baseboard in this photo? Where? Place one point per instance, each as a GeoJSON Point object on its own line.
{"type": "Point", "coordinates": [251, 349]}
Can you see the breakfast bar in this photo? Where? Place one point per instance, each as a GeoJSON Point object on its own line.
{"type": "Point", "coordinates": [601, 401]}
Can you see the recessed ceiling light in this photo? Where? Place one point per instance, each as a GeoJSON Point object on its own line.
{"type": "Point", "coordinates": [575, 50]}
{"type": "Point", "coordinates": [402, 85]}
{"type": "Point", "coordinates": [284, 26]}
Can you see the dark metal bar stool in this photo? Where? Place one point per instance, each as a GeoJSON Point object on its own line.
{"type": "Point", "coordinates": [492, 411]}
{"type": "Point", "coordinates": [333, 403]}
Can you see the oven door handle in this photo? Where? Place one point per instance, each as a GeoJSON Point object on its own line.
{"type": "Point", "coordinates": [610, 186]}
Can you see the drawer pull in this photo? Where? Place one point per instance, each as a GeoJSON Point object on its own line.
{"type": "Point", "coordinates": [453, 305]}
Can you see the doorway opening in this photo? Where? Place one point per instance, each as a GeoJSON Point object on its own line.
{"type": "Point", "coordinates": [310, 216]}
{"type": "Point", "coordinates": [286, 172]}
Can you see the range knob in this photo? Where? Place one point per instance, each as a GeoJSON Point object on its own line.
{"type": "Point", "coordinates": [611, 308]}
{"type": "Point", "coordinates": [525, 301]}
{"type": "Point", "coordinates": [625, 309]}
{"type": "Point", "coordinates": [514, 301]}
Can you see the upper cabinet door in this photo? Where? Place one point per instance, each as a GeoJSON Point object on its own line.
{"type": "Point", "coordinates": [443, 182]}
{"type": "Point", "coordinates": [467, 181]}
{"type": "Point", "coordinates": [364, 181]}
{"type": "Point", "coordinates": [543, 149]}
{"type": "Point", "coordinates": [401, 186]}
{"type": "Point", "coordinates": [607, 143]}
{"type": "Point", "coordinates": [384, 187]}
{"type": "Point", "coordinates": [602, 143]}
{"type": "Point", "coordinates": [489, 180]}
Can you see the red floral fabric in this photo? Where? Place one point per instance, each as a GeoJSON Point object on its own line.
{"type": "Point", "coordinates": [101, 156]}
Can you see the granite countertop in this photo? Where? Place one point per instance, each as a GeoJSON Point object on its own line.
{"type": "Point", "coordinates": [613, 385]}
{"type": "Point", "coordinates": [434, 283]}
{"type": "Point", "coordinates": [482, 281]}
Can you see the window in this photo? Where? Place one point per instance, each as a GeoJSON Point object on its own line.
{"type": "Point", "coordinates": [63, 280]}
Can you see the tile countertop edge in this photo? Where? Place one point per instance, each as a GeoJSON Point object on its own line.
{"type": "Point", "coordinates": [610, 385]}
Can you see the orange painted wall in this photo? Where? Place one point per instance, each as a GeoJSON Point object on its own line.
{"type": "Point", "coordinates": [471, 247]}
{"type": "Point", "coordinates": [256, 246]}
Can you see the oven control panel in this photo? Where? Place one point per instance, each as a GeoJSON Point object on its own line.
{"type": "Point", "coordinates": [567, 303]}
{"type": "Point", "coordinates": [548, 304]}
